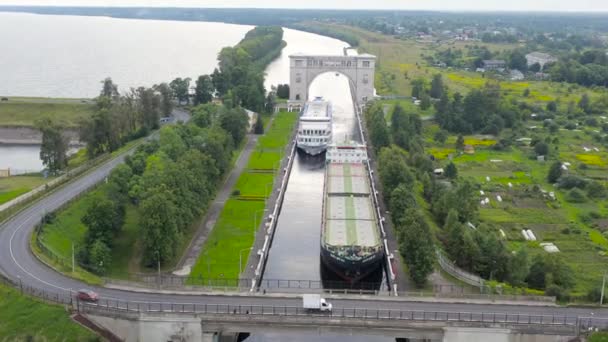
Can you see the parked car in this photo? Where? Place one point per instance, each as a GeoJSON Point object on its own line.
{"type": "Point", "coordinates": [87, 295]}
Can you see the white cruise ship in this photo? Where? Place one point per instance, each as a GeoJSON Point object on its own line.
{"type": "Point", "coordinates": [314, 130]}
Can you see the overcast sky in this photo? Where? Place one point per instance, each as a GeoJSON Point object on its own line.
{"type": "Point", "coordinates": [448, 5]}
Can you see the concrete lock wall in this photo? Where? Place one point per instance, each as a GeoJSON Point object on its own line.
{"type": "Point", "coordinates": [459, 334]}
{"type": "Point", "coordinates": [186, 329]}
{"type": "Point", "coordinates": [359, 69]}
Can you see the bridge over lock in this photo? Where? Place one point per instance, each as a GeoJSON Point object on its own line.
{"type": "Point", "coordinates": [225, 322]}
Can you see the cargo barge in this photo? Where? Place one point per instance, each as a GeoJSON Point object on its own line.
{"type": "Point", "coordinates": [351, 245]}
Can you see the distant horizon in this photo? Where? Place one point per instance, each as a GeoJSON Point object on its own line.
{"type": "Point", "coordinates": [513, 11]}
{"type": "Point", "coordinates": [461, 6]}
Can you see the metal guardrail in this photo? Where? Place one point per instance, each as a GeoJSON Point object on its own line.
{"type": "Point", "coordinates": [457, 272]}
{"type": "Point", "coordinates": [116, 307]}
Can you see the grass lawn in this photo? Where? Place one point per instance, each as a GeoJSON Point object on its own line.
{"type": "Point", "coordinates": [67, 228]}
{"type": "Point", "coordinates": [15, 186]}
{"type": "Point", "coordinates": [25, 111]}
{"type": "Point", "coordinates": [22, 318]}
{"type": "Point", "coordinates": [232, 233]}
{"type": "Point", "coordinates": [598, 337]}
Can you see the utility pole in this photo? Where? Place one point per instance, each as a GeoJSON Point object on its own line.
{"type": "Point", "coordinates": [603, 287]}
{"type": "Point", "coordinates": [73, 259]}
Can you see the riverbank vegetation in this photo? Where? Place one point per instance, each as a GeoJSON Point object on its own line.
{"type": "Point", "coordinates": [27, 319]}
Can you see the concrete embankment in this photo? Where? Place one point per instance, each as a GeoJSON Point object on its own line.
{"type": "Point", "coordinates": [30, 136]}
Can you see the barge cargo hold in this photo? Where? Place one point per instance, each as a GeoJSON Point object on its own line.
{"type": "Point", "coordinates": [351, 245]}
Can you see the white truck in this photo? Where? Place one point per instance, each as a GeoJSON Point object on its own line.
{"type": "Point", "coordinates": [314, 302]}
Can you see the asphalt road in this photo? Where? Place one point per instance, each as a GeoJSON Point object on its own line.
{"type": "Point", "coordinates": [18, 263]}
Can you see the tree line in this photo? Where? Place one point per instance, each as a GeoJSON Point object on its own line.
{"type": "Point", "coordinates": [170, 181]}
{"type": "Point", "coordinates": [407, 177]}
{"type": "Point", "coordinates": [589, 68]}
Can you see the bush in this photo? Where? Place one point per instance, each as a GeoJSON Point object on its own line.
{"type": "Point", "coordinates": [595, 189]}
{"type": "Point", "coordinates": [557, 291]}
{"type": "Point", "coordinates": [576, 196]}
{"type": "Point", "coordinates": [571, 181]}
{"type": "Point", "coordinates": [594, 295]}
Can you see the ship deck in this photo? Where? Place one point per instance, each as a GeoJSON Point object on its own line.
{"type": "Point", "coordinates": [349, 212]}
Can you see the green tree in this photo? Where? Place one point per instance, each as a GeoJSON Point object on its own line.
{"type": "Point", "coordinates": [416, 246]}
{"type": "Point", "coordinates": [258, 128]}
{"type": "Point", "coordinates": [236, 122]}
{"type": "Point", "coordinates": [402, 198]}
{"type": "Point", "coordinates": [203, 92]}
{"type": "Point", "coordinates": [166, 99]}
{"type": "Point", "coordinates": [437, 87]}
{"type": "Point", "coordinates": [378, 130]}
{"type": "Point", "coordinates": [454, 233]}
{"type": "Point", "coordinates": [393, 170]}
{"type": "Point", "coordinates": [283, 91]}
{"type": "Point", "coordinates": [517, 60]}
{"type": "Point", "coordinates": [181, 89]}
{"type": "Point", "coordinates": [418, 87]}
{"type": "Point", "coordinates": [441, 136]}
{"type": "Point", "coordinates": [159, 229]}
{"type": "Point", "coordinates": [555, 172]}
{"type": "Point", "coordinates": [109, 89]}
{"type": "Point", "coordinates": [596, 190]}
{"type": "Point", "coordinates": [96, 131]}
{"type": "Point", "coordinates": [541, 149]}
{"type": "Point", "coordinates": [526, 92]}
{"type": "Point", "coordinates": [425, 101]}
{"type": "Point", "coordinates": [576, 195]}
{"type": "Point", "coordinates": [271, 102]}
{"type": "Point", "coordinates": [460, 142]}
{"type": "Point", "coordinates": [535, 67]}
{"type": "Point", "coordinates": [585, 104]}
{"type": "Point", "coordinates": [519, 267]}
{"type": "Point", "coordinates": [463, 197]}
{"type": "Point", "coordinates": [103, 219]}
{"type": "Point", "coordinates": [552, 106]}
{"type": "Point", "coordinates": [54, 147]}
{"type": "Point", "coordinates": [171, 142]}
{"type": "Point", "coordinates": [451, 171]}
{"type": "Point", "coordinates": [100, 257]}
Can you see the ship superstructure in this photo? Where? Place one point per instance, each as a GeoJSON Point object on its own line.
{"type": "Point", "coordinates": [314, 129]}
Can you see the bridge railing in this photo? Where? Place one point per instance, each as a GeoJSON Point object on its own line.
{"type": "Point", "coordinates": [119, 307]}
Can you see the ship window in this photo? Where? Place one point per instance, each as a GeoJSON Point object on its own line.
{"type": "Point", "coordinates": [366, 64]}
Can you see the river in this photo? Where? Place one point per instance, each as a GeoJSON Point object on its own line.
{"type": "Point", "coordinates": [68, 56]}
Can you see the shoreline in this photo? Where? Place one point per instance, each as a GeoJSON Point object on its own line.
{"type": "Point", "coordinates": [28, 136]}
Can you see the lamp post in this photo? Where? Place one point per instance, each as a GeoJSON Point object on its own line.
{"type": "Point", "coordinates": [603, 286]}
{"type": "Point", "coordinates": [255, 221]}
{"type": "Point", "coordinates": [158, 260]}
{"type": "Point", "coordinates": [241, 259]}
